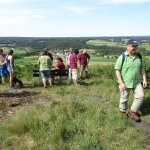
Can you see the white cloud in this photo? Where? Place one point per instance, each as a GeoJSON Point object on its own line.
{"type": "Point", "coordinates": [12, 20]}
{"type": "Point", "coordinates": [15, 16]}
{"type": "Point", "coordinates": [79, 9]}
{"type": "Point", "coordinates": [125, 1]}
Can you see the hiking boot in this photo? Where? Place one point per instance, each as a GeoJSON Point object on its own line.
{"type": "Point", "coordinates": [135, 116]}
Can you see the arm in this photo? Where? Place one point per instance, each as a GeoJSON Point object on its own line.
{"type": "Point", "coordinates": [120, 81]}
{"type": "Point", "coordinates": [144, 78]}
{"type": "Point", "coordinates": [11, 62]}
{"type": "Point", "coordinates": [79, 58]}
{"type": "Point", "coordinates": [4, 63]}
{"type": "Point", "coordinates": [88, 60]}
{"type": "Point", "coordinates": [57, 67]}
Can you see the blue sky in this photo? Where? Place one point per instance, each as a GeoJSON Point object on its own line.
{"type": "Point", "coordinates": [68, 18]}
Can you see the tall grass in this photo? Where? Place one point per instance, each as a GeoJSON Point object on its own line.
{"type": "Point", "coordinates": [77, 118]}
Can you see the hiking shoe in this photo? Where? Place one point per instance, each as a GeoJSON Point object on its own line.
{"type": "Point", "coordinates": [134, 116]}
{"type": "Point", "coordinates": [139, 115]}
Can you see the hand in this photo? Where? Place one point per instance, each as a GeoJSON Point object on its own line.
{"type": "Point", "coordinates": [144, 84]}
{"type": "Point", "coordinates": [123, 87]}
{"type": "Point", "coordinates": [12, 72]}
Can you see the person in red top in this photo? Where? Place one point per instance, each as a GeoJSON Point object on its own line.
{"type": "Point", "coordinates": [60, 65]}
{"type": "Point", "coordinates": [73, 65]}
{"type": "Point", "coordinates": [84, 59]}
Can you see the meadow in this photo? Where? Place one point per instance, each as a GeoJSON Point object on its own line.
{"type": "Point", "coordinates": [16, 51]}
{"type": "Point", "coordinates": [67, 117]}
{"type": "Point", "coordinates": [85, 117]}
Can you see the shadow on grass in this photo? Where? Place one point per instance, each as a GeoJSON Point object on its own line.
{"type": "Point", "coordinates": [145, 109]}
{"type": "Point", "coordinates": [20, 94]}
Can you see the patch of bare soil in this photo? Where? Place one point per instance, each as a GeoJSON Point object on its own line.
{"type": "Point", "coordinates": [145, 127]}
{"type": "Point", "coordinates": [12, 98]}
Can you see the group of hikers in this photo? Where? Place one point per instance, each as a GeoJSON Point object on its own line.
{"type": "Point", "coordinates": [45, 62]}
{"type": "Point", "coordinates": [129, 69]}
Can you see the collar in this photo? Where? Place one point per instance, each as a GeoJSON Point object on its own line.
{"type": "Point", "coordinates": [127, 54]}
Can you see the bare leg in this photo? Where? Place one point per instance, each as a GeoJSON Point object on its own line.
{"type": "Point", "coordinates": [75, 82]}
{"type": "Point", "coordinates": [11, 79]}
{"type": "Point", "coordinates": [87, 74]}
{"type": "Point", "coordinates": [3, 80]}
{"type": "Point", "coordinates": [50, 81]}
{"type": "Point", "coordinates": [44, 82]}
{"type": "Point", "coordinates": [81, 73]}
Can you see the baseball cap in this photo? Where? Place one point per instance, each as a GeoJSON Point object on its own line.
{"type": "Point", "coordinates": [132, 42]}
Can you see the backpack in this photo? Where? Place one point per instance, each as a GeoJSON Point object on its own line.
{"type": "Point", "coordinates": [124, 56]}
{"type": "Point", "coordinates": [17, 84]}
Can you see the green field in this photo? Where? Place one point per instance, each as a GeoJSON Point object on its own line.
{"type": "Point", "coordinates": [100, 43]}
{"type": "Point", "coordinates": [109, 43]}
{"type": "Point", "coordinates": [102, 59]}
{"type": "Point", "coordinates": [33, 60]}
{"type": "Point", "coordinates": [147, 46]}
{"type": "Point", "coordinates": [16, 51]}
{"type": "Point", "coordinates": [27, 60]}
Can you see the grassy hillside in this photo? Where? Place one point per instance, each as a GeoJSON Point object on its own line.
{"type": "Point", "coordinates": [85, 117]}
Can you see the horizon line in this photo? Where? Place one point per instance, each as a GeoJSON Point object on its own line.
{"type": "Point", "coordinates": [73, 36]}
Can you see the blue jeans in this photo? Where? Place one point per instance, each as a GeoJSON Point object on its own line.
{"type": "Point", "coordinates": [3, 71]}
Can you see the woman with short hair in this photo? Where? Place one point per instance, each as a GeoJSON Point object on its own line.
{"type": "Point", "coordinates": [45, 67]}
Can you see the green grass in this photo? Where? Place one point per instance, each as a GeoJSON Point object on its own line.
{"type": "Point", "coordinates": [77, 118]}
{"type": "Point", "coordinates": [17, 51]}
{"type": "Point", "coordinates": [147, 46]}
{"type": "Point", "coordinates": [100, 43]}
{"type": "Point", "coordinates": [26, 60]}
{"type": "Point", "coordinates": [34, 60]}
{"type": "Point", "coordinates": [102, 59]}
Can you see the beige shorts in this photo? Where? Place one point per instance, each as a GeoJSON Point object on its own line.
{"type": "Point", "coordinates": [74, 73]}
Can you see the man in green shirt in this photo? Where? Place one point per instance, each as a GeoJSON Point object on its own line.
{"type": "Point", "coordinates": [45, 67]}
{"type": "Point", "coordinates": [129, 69]}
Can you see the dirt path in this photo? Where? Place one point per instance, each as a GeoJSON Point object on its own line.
{"type": "Point", "coordinates": [145, 127]}
{"type": "Point", "coordinates": [12, 97]}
